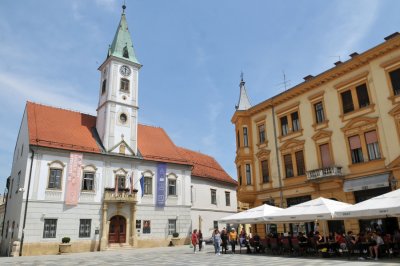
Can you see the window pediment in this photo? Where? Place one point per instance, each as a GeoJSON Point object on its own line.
{"type": "Point", "coordinates": [148, 173]}
{"type": "Point", "coordinates": [322, 134]}
{"type": "Point", "coordinates": [120, 171]}
{"type": "Point", "coordinates": [89, 168]}
{"type": "Point", "coordinates": [291, 146]}
{"type": "Point", "coordinates": [359, 124]}
{"type": "Point", "coordinates": [56, 164]}
{"type": "Point", "coordinates": [263, 153]}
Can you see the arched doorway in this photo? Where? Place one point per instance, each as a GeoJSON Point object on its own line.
{"type": "Point", "coordinates": [117, 232]}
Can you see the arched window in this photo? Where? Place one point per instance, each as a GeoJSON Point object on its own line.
{"type": "Point", "coordinates": [55, 175]}
{"type": "Point", "coordinates": [88, 178]}
{"type": "Point", "coordinates": [103, 86]}
{"type": "Point", "coordinates": [172, 184]}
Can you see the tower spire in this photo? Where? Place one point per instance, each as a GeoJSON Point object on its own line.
{"type": "Point", "coordinates": [122, 45]}
{"type": "Point", "coordinates": [244, 102]}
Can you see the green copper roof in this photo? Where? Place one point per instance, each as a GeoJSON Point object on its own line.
{"type": "Point", "coordinates": [122, 46]}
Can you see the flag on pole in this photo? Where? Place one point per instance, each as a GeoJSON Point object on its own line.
{"type": "Point", "coordinates": [131, 182]}
{"type": "Point", "coordinates": [142, 184]}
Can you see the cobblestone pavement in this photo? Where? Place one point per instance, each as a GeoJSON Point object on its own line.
{"type": "Point", "coordinates": [181, 256]}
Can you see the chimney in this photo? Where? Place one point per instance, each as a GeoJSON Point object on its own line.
{"type": "Point", "coordinates": [353, 54]}
{"type": "Point", "coordinates": [307, 78]}
{"type": "Point", "coordinates": [338, 63]}
{"type": "Point", "coordinates": [391, 36]}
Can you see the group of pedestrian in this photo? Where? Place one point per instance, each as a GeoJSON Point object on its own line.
{"type": "Point", "coordinates": [197, 239]}
{"type": "Point", "coordinates": [221, 239]}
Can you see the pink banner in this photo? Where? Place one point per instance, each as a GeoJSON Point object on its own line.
{"type": "Point", "coordinates": [73, 180]}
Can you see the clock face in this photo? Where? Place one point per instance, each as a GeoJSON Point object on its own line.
{"type": "Point", "coordinates": [125, 70]}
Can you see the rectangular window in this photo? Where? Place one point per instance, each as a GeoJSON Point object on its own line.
{"type": "Point", "coordinates": [284, 126]}
{"type": "Point", "coordinates": [213, 196]}
{"type": "Point", "coordinates": [172, 187]}
{"type": "Point", "coordinates": [215, 224]}
{"type": "Point", "coordinates": [362, 95]}
{"type": "Point", "coordinates": [265, 171]}
{"type": "Point", "coordinates": [148, 185]}
{"type": "Point", "coordinates": [301, 170]}
{"type": "Point", "coordinates": [84, 227]}
{"type": "Point", "coordinates": [261, 133]}
{"type": "Point", "coordinates": [88, 181]}
{"type": "Point", "coordinates": [395, 80]}
{"type": "Point", "coordinates": [287, 159]}
{"type": "Point", "coordinates": [171, 226]}
{"type": "Point", "coordinates": [120, 182]}
{"type": "Point", "coordinates": [347, 102]}
{"type": "Point", "coordinates": [248, 174]}
{"type": "Point", "coordinates": [295, 121]}
{"type": "Point", "coordinates": [356, 151]}
{"type": "Point", "coordinates": [138, 224]}
{"type": "Point", "coordinates": [124, 85]}
{"type": "Point", "coordinates": [245, 137]}
{"type": "Point", "coordinates": [319, 113]}
{"type": "Point", "coordinates": [227, 198]}
{"type": "Point", "coordinates": [240, 175]}
{"type": "Point", "coordinates": [18, 182]}
{"type": "Point", "coordinates": [55, 178]}
{"type": "Point", "coordinates": [146, 227]}
{"type": "Point", "coordinates": [372, 145]}
{"type": "Point", "coordinates": [325, 155]}
{"type": "Point", "coordinates": [50, 228]}
{"type": "Point", "coordinates": [103, 86]}
{"type": "Point", "coordinates": [238, 139]}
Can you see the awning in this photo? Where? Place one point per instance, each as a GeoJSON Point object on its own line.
{"type": "Point", "coordinates": [369, 182]}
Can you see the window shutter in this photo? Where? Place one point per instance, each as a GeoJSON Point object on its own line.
{"type": "Point", "coordinates": [325, 155]}
{"type": "Point", "coordinates": [371, 137]}
{"type": "Point", "coordinates": [355, 142]}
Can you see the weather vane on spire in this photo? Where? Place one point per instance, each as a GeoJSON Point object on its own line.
{"type": "Point", "coordinates": [123, 8]}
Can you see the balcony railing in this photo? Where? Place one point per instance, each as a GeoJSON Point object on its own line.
{"type": "Point", "coordinates": [124, 195]}
{"type": "Point", "coordinates": [324, 172]}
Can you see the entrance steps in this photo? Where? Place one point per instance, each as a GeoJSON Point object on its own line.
{"type": "Point", "coordinates": [119, 247]}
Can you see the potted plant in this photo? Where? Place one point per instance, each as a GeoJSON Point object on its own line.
{"type": "Point", "coordinates": [175, 238]}
{"type": "Point", "coordinates": [65, 246]}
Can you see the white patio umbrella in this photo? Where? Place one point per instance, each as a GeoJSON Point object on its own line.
{"type": "Point", "coordinates": [316, 209]}
{"type": "Point", "coordinates": [381, 206]}
{"type": "Point", "coordinates": [254, 215]}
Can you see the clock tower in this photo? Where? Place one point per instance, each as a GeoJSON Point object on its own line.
{"type": "Point", "coordinates": [118, 94]}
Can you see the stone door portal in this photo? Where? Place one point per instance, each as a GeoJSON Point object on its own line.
{"type": "Point", "coordinates": [117, 232]}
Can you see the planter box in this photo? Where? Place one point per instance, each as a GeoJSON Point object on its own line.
{"type": "Point", "coordinates": [175, 241]}
{"type": "Point", "coordinates": [65, 248]}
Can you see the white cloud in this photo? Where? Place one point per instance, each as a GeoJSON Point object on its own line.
{"type": "Point", "coordinates": [109, 5]}
{"type": "Point", "coordinates": [51, 93]}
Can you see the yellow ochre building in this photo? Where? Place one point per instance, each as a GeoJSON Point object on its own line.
{"type": "Point", "coordinates": [335, 135]}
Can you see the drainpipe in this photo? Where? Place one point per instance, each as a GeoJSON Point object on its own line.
{"type": "Point", "coordinates": [26, 203]}
{"type": "Point", "coordinates": [277, 158]}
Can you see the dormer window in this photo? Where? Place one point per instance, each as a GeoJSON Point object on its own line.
{"type": "Point", "coordinates": [125, 52]}
{"type": "Point", "coordinates": [124, 87]}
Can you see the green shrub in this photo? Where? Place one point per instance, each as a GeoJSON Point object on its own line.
{"type": "Point", "coordinates": [65, 240]}
{"type": "Point", "coordinates": [175, 234]}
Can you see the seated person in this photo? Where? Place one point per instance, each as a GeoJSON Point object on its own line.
{"type": "Point", "coordinates": [340, 242]}
{"type": "Point", "coordinates": [257, 243]}
{"type": "Point", "coordinates": [377, 241]}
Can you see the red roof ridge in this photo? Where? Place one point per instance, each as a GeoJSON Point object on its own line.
{"type": "Point", "coordinates": [59, 108]}
{"type": "Point", "coordinates": [203, 154]}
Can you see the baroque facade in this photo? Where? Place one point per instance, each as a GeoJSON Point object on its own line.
{"type": "Point", "coordinates": [107, 180]}
{"type": "Point", "coordinates": [335, 135]}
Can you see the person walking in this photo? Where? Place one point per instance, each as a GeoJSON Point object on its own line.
{"type": "Point", "coordinates": [200, 238]}
{"type": "Point", "coordinates": [224, 239]}
{"type": "Point", "coordinates": [195, 240]}
{"type": "Point", "coordinates": [233, 239]}
{"type": "Point", "coordinates": [216, 236]}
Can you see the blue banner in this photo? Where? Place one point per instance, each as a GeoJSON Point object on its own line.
{"type": "Point", "coordinates": [160, 195]}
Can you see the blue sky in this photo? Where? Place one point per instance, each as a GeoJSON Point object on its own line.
{"type": "Point", "coordinates": [192, 52]}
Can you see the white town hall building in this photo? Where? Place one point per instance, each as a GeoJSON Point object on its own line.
{"type": "Point", "coordinates": [106, 180]}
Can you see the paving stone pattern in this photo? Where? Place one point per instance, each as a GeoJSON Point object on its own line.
{"type": "Point", "coordinates": [181, 256]}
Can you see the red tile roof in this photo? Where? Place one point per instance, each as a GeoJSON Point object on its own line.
{"type": "Point", "coordinates": [206, 166]}
{"type": "Point", "coordinates": [69, 130]}
{"type": "Point", "coordinates": [60, 128]}
{"type": "Point", "coordinates": [154, 144]}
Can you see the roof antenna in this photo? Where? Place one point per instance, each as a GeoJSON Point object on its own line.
{"type": "Point", "coordinates": [285, 82]}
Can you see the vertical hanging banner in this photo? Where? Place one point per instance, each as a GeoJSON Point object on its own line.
{"type": "Point", "coordinates": [73, 179]}
{"type": "Point", "coordinates": [160, 195]}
